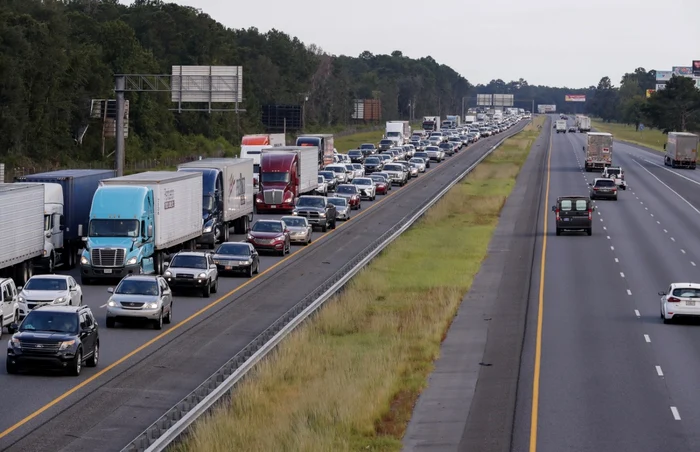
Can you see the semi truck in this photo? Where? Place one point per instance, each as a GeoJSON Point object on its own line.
{"type": "Point", "coordinates": [560, 125]}
{"type": "Point", "coordinates": [584, 124]}
{"type": "Point", "coordinates": [451, 122]}
{"type": "Point", "coordinates": [599, 150]}
{"type": "Point", "coordinates": [431, 123]}
{"type": "Point", "coordinates": [324, 143]}
{"type": "Point", "coordinates": [681, 150]}
{"type": "Point", "coordinates": [21, 230]}
{"type": "Point", "coordinates": [397, 131]}
{"type": "Point", "coordinates": [469, 119]}
{"type": "Point", "coordinates": [285, 174]}
{"type": "Point", "coordinates": [252, 145]}
{"type": "Point", "coordinates": [67, 199]}
{"type": "Point", "coordinates": [227, 197]}
{"type": "Point", "coordinates": [137, 221]}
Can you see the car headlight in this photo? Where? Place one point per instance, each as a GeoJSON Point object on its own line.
{"type": "Point", "coordinates": [112, 303]}
{"type": "Point", "coordinates": [207, 228]}
{"type": "Point", "coordinates": [84, 260]}
{"type": "Point", "coordinates": [295, 212]}
{"type": "Point", "coordinates": [168, 273]}
{"type": "Point", "coordinates": [131, 261]}
{"type": "Point", "coordinates": [21, 299]}
{"type": "Point", "coordinates": [202, 275]}
{"type": "Point", "coordinates": [66, 344]}
{"type": "Point", "coordinates": [152, 305]}
{"type": "Point", "coordinates": [59, 300]}
{"type": "Point", "coordinates": [322, 215]}
{"type": "Point", "coordinates": [249, 237]}
{"type": "Point", "coordinates": [14, 341]}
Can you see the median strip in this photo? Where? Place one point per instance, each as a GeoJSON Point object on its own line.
{"type": "Point", "coordinates": [349, 378]}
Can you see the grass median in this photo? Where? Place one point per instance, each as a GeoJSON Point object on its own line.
{"type": "Point", "coordinates": [344, 144]}
{"type": "Point", "coordinates": [349, 378]}
{"type": "Point", "coordinates": [651, 138]}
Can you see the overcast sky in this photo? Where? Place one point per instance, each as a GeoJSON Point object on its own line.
{"type": "Point", "coordinates": [569, 43]}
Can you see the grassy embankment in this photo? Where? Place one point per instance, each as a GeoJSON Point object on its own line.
{"type": "Point", "coordinates": [651, 138]}
{"type": "Point", "coordinates": [349, 378]}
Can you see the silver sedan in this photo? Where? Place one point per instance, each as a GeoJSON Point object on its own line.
{"type": "Point", "coordinates": [418, 163]}
{"type": "Point", "coordinates": [299, 229]}
{"type": "Point", "coordinates": [342, 207]}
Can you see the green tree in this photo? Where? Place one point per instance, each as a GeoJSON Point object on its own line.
{"type": "Point", "coordinates": [675, 108]}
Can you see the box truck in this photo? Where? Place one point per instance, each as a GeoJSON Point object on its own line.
{"type": "Point", "coordinates": [431, 123]}
{"type": "Point", "coordinates": [227, 196]}
{"type": "Point", "coordinates": [21, 230]}
{"type": "Point", "coordinates": [396, 132]}
{"type": "Point", "coordinates": [67, 199]}
{"type": "Point", "coordinates": [252, 145]}
{"type": "Point", "coordinates": [325, 145]}
{"type": "Point", "coordinates": [285, 174]}
{"type": "Point", "coordinates": [599, 150]}
{"type": "Point", "coordinates": [136, 221]}
{"type": "Point", "coordinates": [584, 124]}
{"type": "Point", "coordinates": [681, 150]}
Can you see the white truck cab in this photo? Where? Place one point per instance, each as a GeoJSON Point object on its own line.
{"type": "Point", "coordinates": [9, 304]}
{"type": "Point", "coordinates": [53, 224]}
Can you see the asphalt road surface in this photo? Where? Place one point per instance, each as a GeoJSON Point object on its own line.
{"type": "Point", "coordinates": [612, 376]}
{"type": "Point", "coordinates": [143, 372]}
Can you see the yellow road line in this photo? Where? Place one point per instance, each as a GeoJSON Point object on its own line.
{"type": "Point", "coordinates": [540, 312]}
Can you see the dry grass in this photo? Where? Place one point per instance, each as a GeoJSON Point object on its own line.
{"type": "Point", "coordinates": [349, 378]}
{"type": "Point", "coordinates": [651, 138]}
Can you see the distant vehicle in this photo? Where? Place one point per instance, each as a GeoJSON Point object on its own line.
{"type": "Point", "coordinates": [351, 193]}
{"type": "Point", "coordinates": [560, 126]}
{"type": "Point", "coordinates": [270, 235]}
{"type": "Point", "coordinates": [573, 213]}
{"type": "Point", "coordinates": [599, 151]}
{"type": "Point", "coordinates": [56, 290]}
{"type": "Point", "coordinates": [237, 257]}
{"type": "Point", "coordinates": [615, 173]}
{"type": "Point", "coordinates": [300, 230]}
{"type": "Point", "coordinates": [681, 300]}
{"type": "Point", "coordinates": [317, 210]}
{"type": "Point", "coordinates": [681, 150]}
{"type": "Point", "coordinates": [146, 297]}
{"type": "Point", "coordinates": [193, 270]}
{"type": "Point", "coordinates": [342, 207]}
{"type": "Point", "coordinates": [603, 189]}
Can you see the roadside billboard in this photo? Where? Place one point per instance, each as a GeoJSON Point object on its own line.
{"type": "Point", "coordinates": [546, 108]}
{"type": "Point", "coordinates": [696, 68]}
{"type": "Point", "coordinates": [575, 98]}
{"type": "Point", "coordinates": [663, 76]}
{"type": "Point", "coordinates": [660, 86]}
{"type": "Point", "coordinates": [683, 70]}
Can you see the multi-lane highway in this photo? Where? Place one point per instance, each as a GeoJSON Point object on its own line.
{"type": "Point", "coordinates": [143, 372]}
{"type": "Point", "coordinates": [608, 374]}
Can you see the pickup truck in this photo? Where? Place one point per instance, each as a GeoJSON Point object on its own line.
{"type": "Point", "coordinates": [615, 173]}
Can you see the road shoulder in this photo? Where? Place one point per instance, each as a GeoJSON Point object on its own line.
{"type": "Point", "coordinates": [469, 402]}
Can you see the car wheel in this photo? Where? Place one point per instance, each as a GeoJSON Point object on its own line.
{"type": "Point", "coordinates": [169, 318]}
{"type": "Point", "coordinates": [257, 268]}
{"type": "Point", "coordinates": [206, 291]}
{"type": "Point", "coordinates": [95, 358]}
{"type": "Point", "coordinates": [10, 367]}
{"type": "Point", "coordinates": [589, 231]}
{"type": "Point", "coordinates": [558, 231]}
{"type": "Point", "coordinates": [667, 321]}
{"type": "Point", "coordinates": [110, 322]}
{"type": "Point", "coordinates": [77, 364]}
{"type": "Point", "coordinates": [215, 288]}
{"type": "Point", "coordinates": [158, 323]}
{"type": "Point", "coordinates": [249, 273]}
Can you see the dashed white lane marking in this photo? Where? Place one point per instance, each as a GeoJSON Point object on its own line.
{"type": "Point", "coordinates": [641, 202]}
{"type": "Point", "coordinates": [622, 274]}
{"type": "Point", "coordinates": [646, 208]}
{"type": "Point", "coordinates": [612, 248]}
{"type": "Point", "coordinates": [608, 237]}
{"type": "Point", "coordinates": [637, 197]}
{"type": "Point", "coordinates": [604, 228]}
{"type": "Point", "coordinates": [665, 231]}
{"type": "Point", "coordinates": [683, 251]}
{"type": "Point", "coordinates": [598, 213]}
{"type": "Point", "coordinates": [692, 263]}
{"type": "Point", "coordinates": [658, 222]}
{"type": "Point", "coordinates": [652, 215]}
{"type": "Point", "coordinates": [629, 292]}
{"type": "Point", "coordinates": [675, 413]}
{"type": "Point", "coordinates": [647, 338]}
{"type": "Point", "coordinates": [672, 239]}
{"type": "Point", "coordinates": [665, 185]}
{"type": "Point", "coordinates": [659, 372]}
{"type": "Point", "coordinates": [601, 219]}
{"type": "Point", "coordinates": [636, 312]}
{"type": "Point", "coordinates": [617, 260]}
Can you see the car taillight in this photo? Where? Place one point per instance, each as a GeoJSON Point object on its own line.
{"type": "Point", "coordinates": [590, 215]}
{"type": "Point", "coordinates": [557, 214]}
{"type": "Point", "coordinates": [673, 300]}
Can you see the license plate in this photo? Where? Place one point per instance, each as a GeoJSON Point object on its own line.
{"type": "Point", "coordinates": [690, 303]}
{"type": "Point", "coordinates": [227, 267]}
{"type": "Point", "coordinates": [566, 219]}
{"type": "Point", "coordinates": [108, 270]}
{"type": "Point", "coordinates": [274, 207]}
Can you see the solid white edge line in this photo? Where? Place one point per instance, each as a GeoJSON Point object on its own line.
{"type": "Point", "coordinates": [104, 305]}
{"type": "Point", "coordinates": [647, 338]}
{"type": "Point", "coordinates": [665, 185]}
{"type": "Point", "coordinates": [675, 413]}
{"type": "Point", "coordinates": [673, 172]}
{"type": "Point", "coordinates": [659, 372]}
{"type": "Point", "coordinates": [629, 292]}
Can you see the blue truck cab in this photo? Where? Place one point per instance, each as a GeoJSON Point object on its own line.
{"type": "Point", "coordinates": [119, 239]}
{"type": "Point", "coordinates": [212, 204]}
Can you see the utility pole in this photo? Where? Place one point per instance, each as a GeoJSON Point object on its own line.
{"type": "Point", "coordinates": [119, 154]}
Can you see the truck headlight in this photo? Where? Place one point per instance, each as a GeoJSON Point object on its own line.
{"type": "Point", "coordinates": [131, 261]}
{"type": "Point", "coordinates": [84, 260]}
{"type": "Point", "coordinates": [207, 228]}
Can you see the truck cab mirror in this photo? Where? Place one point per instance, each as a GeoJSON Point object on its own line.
{"type": "Point", "coordinates": [19, 288]}
{"type": "Point", "coordinates": [84, 239]}
{"type": "Point", "coordinates": [664, 146]}
{"type": "Point", "coordinates": [583, 148]}
{"type": "Point", "coordinates": [150, 230]}
{"type": "Point", "coordinates": [62, 227]}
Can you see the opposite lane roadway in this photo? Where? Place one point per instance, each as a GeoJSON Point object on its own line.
{"type": "Point", "coordinates": [143, 373]}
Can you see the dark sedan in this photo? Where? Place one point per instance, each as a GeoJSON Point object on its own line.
{"type": "Point", "coordinates": [373, 164]}
{"type": "Point", "coordinates": [237, 257]}
{"type": "Point", "coordinates": [356, 156]}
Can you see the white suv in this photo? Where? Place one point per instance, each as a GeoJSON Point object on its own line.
{"type": "Point", "coordinates": [192, 270]}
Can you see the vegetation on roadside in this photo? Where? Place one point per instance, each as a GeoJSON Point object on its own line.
{"type": "Point", "coordinates": [651, 138]}
{"type": "Point", "coordinates": [349, 378]}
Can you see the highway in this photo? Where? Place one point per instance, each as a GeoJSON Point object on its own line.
{"type": "Point", "coordinates": [612, 376]}
{"type": "Point", "coordinates": [143, 372]}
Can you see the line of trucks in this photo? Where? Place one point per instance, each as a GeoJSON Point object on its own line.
{"type": "Point", "coordinates": [115, 226]}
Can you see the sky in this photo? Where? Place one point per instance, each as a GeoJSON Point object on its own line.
{"type": "Point", "coordinates": [564, 43]}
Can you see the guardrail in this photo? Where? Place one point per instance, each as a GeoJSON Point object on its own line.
{"type": "Point", "coordinates": [177, 420]}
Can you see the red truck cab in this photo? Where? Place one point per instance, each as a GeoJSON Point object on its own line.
{"type": "Point", "coordinates": [278, 183]}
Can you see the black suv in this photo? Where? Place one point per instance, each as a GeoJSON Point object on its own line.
{"type": "Point", "coordinates": [62, 337]}
{"type": "Point", "coordinates": [447, 147]}
{"type": "Point", "coordinates": [356, 156]}
{"type": "Point", "coordinates": [317, 210]}
{"type": "Point", "coordinates": [574, 213]}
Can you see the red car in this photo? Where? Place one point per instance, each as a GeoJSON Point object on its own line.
{"type": "Point", "coordinates": [351, 193]}
{"type": "Point", "coordinates": [381, 183]}
{"type": "Point", "coordinates": [270, 235]}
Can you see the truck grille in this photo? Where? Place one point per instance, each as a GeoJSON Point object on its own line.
{"type": "Point", "coordinates": [273, 196]}
{"type": "Point", "coordinates": [103, 257]}
{"type": "Point", "coordinates": [308, 214]}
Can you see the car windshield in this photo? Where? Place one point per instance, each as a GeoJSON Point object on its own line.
{"type": "Point", "coordinates": [432, 149]}
{"type": "Point", "coordinates": [267, 226]}
{"type": "Point", "coordinates": [338, 202]}
{"type": "Point", "coordinates": [347, 189]}
{"type": "Point", "coordinates": [328, 175]}
{"type": "Point", "coordinates": [233, 249]}
{"type": "Point", "coordinates": [137, 287]}
{"type": "Point", "coordinates": [367, 146]}
{"type": "Point", "coordinates": [363, 181]}
{"type": "Point", "coordinates": [46, 284]}
{"type": "Point", "coordinates": [114, 228]}
{"type": "Point", "coordinates": [416, 160]}
{"type": "Point", "coordinates": [604, 183]}
{"type": "Point", "coordinates": [357, 166]}
{"type": "Point", "coordinates": [189, 261]}
{"type": "Point", "coordinates": [615, 171]}
{"type": "Point", "coordinates": [336, 169]}
{"type": "Point", "coordinates": [372, 161]}
{"type": "Point", "coordinates": [385, 142]}
{"type": "Point", "coordinates": [686, 293]}
{"type": "Point", "coordinates": [274, 177]}
{"type": "Point", "coordinates": [392, 168]}
{"type": "Point", "coordinates": [57, 322]}
{"type": "Point", "coordinates": [311, 202]}
{"type": "Point", "coordinates": [295, 221]}
{"type": "Point", "coordinates": [357, 153]}
{"type": "Point", "coordinates": [378, 179]}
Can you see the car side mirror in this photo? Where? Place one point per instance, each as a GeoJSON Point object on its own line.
{"type": "Point", "coordinates": [14, 326]}
{"type": "Point", "coordinates": [213, 266]}
{"type": "Point", "coordinates": [166, 264]}
{"type": "Point", "coordinates": [110, 289]}
{"type": "Point", "coordinates": [19, 288]}
{"type": "Point", "coordinates": [554, 208]}
{"type": "Point", "coordinates": [662, 293]}
{"type": "Point", "coordinates": [84, 239]}
{"type": "Point", "coordinates": [73, 289]}
{"type": "Point", "coordinates": [590, 184]}
{"type": "Point", "coordinates": [62, 227]}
